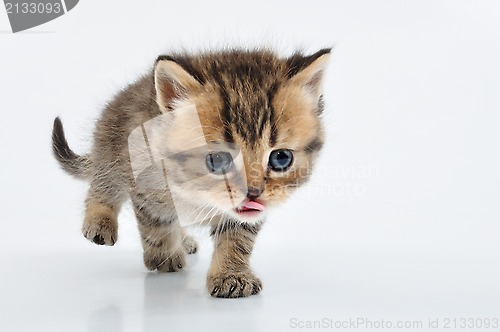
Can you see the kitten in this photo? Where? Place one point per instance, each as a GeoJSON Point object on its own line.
{"type": "Point", "coordinates": [259, 116]}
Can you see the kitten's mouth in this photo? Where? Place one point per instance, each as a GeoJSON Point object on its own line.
{"type": "Point", "coordinates": [250, 208]}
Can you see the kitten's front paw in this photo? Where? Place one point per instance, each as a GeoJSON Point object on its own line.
{"type": "Point", "coordinates": [100, 230]}
{"type": "Point", "coordinates": [189, 244]}
{"type": "Point", "coordinates": [234, 284]}
{"type": "Point", "coordinates": [164, 261]}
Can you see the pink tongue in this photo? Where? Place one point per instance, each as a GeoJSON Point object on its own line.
{"type": "Point", "coordinates": [252, 205]}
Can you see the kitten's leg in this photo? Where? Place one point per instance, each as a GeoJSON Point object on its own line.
{"type": "Point", "coordinates": [102, 206]}
{"type": "Point", "coordinates": [230, 274]}
{"type": "Point", "coordinates": [162, 241]}
{"type": "Point", "coordinates": [188, 242]}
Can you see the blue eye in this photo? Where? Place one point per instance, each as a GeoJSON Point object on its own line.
{"type": "Point", "coordinates": [280, 160]}
{"type": "Point", "coordinates": [219, 162]}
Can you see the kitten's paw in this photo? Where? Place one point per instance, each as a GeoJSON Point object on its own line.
{"type": "Point", "coordinates": [234, 284]}
{"type": "Point", "coordinates": [100, 230]}
{"type": "Point", "coordinates": [164, 261]}
{"type": "Point", "coordinates": [189, 244]}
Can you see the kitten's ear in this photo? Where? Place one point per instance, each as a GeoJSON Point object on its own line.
{"type": "Point", "coordinates": [307, 71]}
{"type": "Point", "coordinates": [172, 82]}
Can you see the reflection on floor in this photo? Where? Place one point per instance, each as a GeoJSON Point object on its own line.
{"type": "Point", "coordinates": [320, 281]}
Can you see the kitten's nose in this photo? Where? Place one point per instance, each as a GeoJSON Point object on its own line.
{"type": "Point", "coordinates": [253, 193]}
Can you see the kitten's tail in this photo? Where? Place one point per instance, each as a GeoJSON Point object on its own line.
{"type": "Point", "coordinates": [71, 162]}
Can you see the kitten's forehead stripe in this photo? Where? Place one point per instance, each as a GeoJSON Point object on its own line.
{"type": "Point", "coordinates": [247, 83]}
{"type": "Point", "coordinates": [273, 128]}
{"type": "Point", "coordinates": [226, 104]}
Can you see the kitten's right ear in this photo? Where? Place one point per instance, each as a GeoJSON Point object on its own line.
{"type": "Point", "coordinates": [172, 82]}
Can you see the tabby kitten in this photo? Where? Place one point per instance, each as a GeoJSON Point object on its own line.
{"type": "Point", "coordinates": [239, 124]}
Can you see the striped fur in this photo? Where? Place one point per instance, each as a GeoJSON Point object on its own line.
{"type": "Point", "coordinates": [254, 101]}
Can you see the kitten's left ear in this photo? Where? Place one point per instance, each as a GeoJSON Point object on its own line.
{"type": "Point", "coordinates": [172, 82]}
{"type": "Point", "coordinates": [307, 71]}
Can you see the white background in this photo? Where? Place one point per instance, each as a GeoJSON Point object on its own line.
{"type": "Point", "coordinates": [401, 221]}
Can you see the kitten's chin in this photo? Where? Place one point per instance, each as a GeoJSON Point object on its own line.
{"type": "Point", "coordinates": [249, 217]}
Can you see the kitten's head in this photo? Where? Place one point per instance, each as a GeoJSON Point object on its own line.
{"type": "Point", "coordinates": [244, 128]}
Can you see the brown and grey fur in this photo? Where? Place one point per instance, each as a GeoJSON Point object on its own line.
{"type": "Point", "coordinates": [253, 99]}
